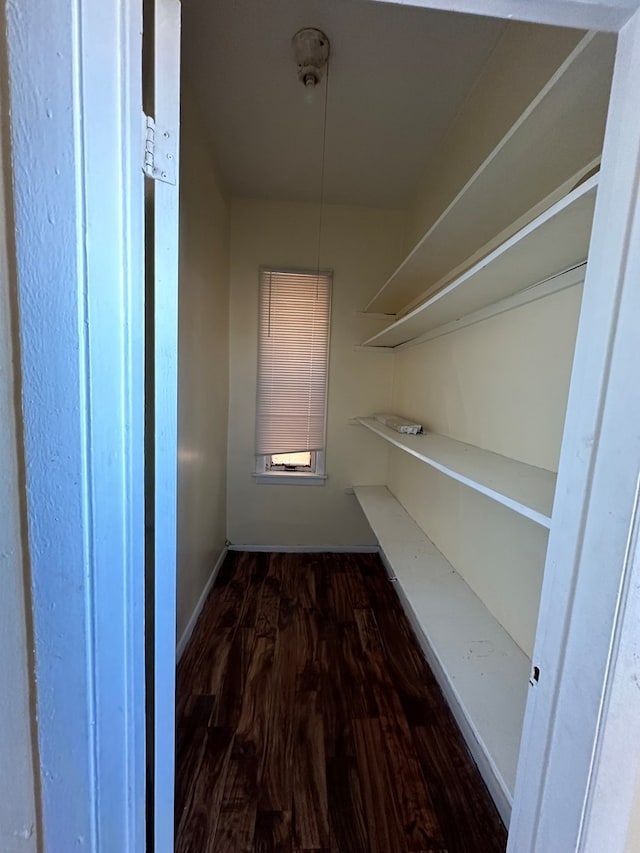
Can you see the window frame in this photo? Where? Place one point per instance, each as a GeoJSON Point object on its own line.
{"type": "Point", "coordinates": [263, 474]}
{"type": "Point", "coordinates": [266, 475]}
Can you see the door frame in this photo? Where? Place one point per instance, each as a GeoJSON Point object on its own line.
{"type": "Point", "coordinates": [76, 130]}
{"type": "Point", "coordinates": [162, 504]}
{"type": "Point", "coordinates": [76, 102]}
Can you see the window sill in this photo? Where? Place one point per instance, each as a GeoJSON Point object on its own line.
{"type": "Point", "coordinates": [290, 479]}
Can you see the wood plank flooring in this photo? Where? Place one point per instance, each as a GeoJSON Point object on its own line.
{"type": "Point", "coordinates": [308, 720]}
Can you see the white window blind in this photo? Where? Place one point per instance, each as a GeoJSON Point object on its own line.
{"type": "Point", "coordinates": [293, 361]}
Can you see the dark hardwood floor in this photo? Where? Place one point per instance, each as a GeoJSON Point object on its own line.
{"type": "Point", "coordinates": [308, 720]}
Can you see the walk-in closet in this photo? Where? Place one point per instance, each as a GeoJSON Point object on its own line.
{"type": "Point", "coordinates": [437, 172]}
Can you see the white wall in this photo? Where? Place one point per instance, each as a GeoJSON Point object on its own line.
{"type": "Point", "coordinates": [502, 385]}
{"type": "Point", "coordinates": [203, 366]}
{"type": "Point", "coordinates": [18, 832]}
{"type": "Point", "coordinates": [357, 243]}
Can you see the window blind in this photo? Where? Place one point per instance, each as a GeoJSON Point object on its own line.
{"type": "Point", "coordinates": [293, 361]}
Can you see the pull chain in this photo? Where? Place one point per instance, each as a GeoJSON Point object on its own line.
{"type": "Point", "coordinates": [322, 170]}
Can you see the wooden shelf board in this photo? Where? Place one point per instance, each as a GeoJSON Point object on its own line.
{"type": "Point", "coordinates": [560, 130]}
{"type": "Point", "coordinates": [482, 671]}
{"type": "Point", "coordinates": [556, 240]}
{"type": "Point", "coordinates": [525, 489]}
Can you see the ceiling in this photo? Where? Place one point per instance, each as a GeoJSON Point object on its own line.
{"type": "Point", "coordinates": [397, 77]}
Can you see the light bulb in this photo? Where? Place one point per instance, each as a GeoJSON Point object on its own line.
{"type": "Point", "coordinates": [309, 88]}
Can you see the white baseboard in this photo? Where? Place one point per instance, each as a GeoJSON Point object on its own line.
{"type": "Point", "coordinates": [308, 549]}
{"type": "Point", "coordinates": [191, 624]}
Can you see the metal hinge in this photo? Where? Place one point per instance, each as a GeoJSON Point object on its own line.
{"type": "Point", "coordinates": [160, 149]}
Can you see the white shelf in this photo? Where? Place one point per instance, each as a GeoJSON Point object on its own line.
{"type": "Point", "coordinates": [555, 241]}
{"type": "Point", "coordinates": [525, 489]}
{"type": "Point", "coordinates": [481, 670]}
{"type": "Point", "coordinates": [560, 131]}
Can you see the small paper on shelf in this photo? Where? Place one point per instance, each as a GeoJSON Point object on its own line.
{"type": "Point", "coordinates": [398, 424]}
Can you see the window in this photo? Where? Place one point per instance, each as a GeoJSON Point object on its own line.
{"type": "Point", "coordinates": [293, 362]}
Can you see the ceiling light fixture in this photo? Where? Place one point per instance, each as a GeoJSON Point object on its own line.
{"type": "Point", "coordinates": [311, 48]}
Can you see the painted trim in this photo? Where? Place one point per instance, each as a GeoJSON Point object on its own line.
{"type": "Point", "coordinates": [166, 87]}
{"type": "Point", "coordinates": [75, 122]}
{"type": "Point", "coordinates": [290, 479]}
{"type": "Point", "coordinates": [583, 589]}
{"type": "Point", "coordinates": [609, 812]}
{"type": "Point", "coordinates": [191, 624]}
{"type": "Point", "coordinates": [307, 549]}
